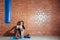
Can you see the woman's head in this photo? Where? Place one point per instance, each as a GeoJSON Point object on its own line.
{"type": "Point", "coordinates": [20, 23]}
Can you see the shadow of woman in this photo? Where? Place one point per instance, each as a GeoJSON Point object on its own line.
{"type": "Point", "coordinates": [8, 33]}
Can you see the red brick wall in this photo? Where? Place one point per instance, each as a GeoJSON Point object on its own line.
{"type": "Point", "coordinates": [41, 17]}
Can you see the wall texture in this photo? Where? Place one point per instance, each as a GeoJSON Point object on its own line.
{"type": "Point", "coordinates": [41, 17]}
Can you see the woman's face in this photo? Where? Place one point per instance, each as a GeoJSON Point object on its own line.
{"type": "Point", "coordinates": [21, 23]}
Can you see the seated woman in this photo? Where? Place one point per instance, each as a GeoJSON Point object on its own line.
{"type": "Point", "coordinates": [20, 29]}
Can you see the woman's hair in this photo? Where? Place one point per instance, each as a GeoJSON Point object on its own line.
{"type": "Point", "coordinates": [19, 22]}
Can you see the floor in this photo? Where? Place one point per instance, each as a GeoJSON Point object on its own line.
{"type": "Point", "coordinates": [35, 38]}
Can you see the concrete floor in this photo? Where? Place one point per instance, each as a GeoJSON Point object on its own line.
{"type": "Point", "coordinates": [35, 38]}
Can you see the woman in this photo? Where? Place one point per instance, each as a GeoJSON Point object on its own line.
{"type": "Point", "coordinates": [20, 29]}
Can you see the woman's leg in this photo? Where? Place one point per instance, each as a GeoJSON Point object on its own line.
{"type": "Point", "coordinates": [17, 35]}
{"type": "Point", "coordinates": [22, 33]}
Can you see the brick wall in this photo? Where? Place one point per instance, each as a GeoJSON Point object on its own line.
{"type": "Point", "coordinates": [41, 17]}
